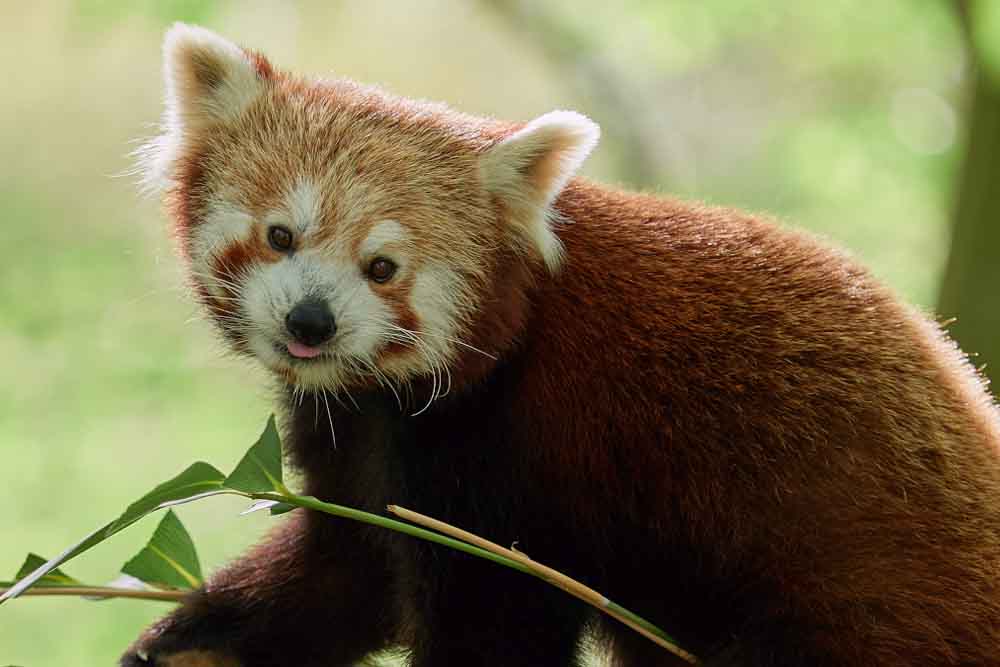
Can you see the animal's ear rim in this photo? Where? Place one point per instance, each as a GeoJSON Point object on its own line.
{"type": "Point", "coordinates": [208, 78]}
{"type": "Point", "coordinates": [529, 168]}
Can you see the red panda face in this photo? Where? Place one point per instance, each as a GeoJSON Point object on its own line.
{"type": "Point", "coordinates": [338, 235]}
{"type": "Point", "coordinates": [317, 256]}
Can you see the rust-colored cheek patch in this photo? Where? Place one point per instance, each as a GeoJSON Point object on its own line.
{"type": "Point", "coordinates": [397, 297]}
{"type": "Point", "coordinates": [235, 262]}
{"type": "Point", "coordinates": [183, 201]}
{"type": "Point", "coordinates": [229, 270]}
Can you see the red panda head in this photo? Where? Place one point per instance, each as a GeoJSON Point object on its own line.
{"type": "Point", "coordinates": [341, 236]}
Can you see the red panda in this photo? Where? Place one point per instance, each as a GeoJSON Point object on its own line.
{"type": "Point", "coordinates": [727, 427]}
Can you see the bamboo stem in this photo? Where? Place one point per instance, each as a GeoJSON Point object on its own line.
{"type": "Point", "coordinates": [554, 577]}
{"type": "Point", "coordinates": [105, 592]}
{"type": "Point", "coordinates": [434, 531]}
{"type": "Point", "coordinates": [309, 502]}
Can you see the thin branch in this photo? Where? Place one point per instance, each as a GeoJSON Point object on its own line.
{"type": "Point", "coordinates": [440, 532]}
{"type": "Point", "coordinates": [630, 121]}
{"type": "Point", "coordinates": [554, 577]}
{"type": "Point", "coordinates": [105, 592]}
{"type": "Point", "coordinates": [964, 13]}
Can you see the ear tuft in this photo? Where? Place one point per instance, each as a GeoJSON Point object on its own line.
{"type": "Point", "coordinates": [529, 169]}
{"type": "Point", "coordinates": [209, 79]}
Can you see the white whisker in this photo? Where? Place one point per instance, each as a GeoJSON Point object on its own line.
{"type": "Point", "coordinates": [315, 411]}
{"type": "Point", "coordinates": [351, 399]}
{"type": "Point", "coordinates": [329, 418]}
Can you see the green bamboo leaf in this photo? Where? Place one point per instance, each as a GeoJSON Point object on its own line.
{"type": "Point", "coordinates": [259, 471]}
{"type": "Point", "coordinates": [281, 508]}
{"type": "Point", "coordinates": [258, 505]}
{"type": "Point", "coordinates": [275, 507]}
{"type": "Point", "coordinates": [169, 559]}
{"type": "Point", "coordinates": [54, 577]}
{"type": "Point", "coordinates": [196, 481]}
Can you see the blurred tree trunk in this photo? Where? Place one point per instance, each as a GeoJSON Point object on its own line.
{"type": "Point", "coordinates": [970, 290]}
{"type": "Point", "coordinates": [608, 88]}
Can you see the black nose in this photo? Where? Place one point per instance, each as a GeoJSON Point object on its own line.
{"type": "Point", "coordinates": [311, 322]}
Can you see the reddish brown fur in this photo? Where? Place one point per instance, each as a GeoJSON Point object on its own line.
{"type": "Point", "coordinates": [502, 319]}
{"type": "Point", "coordinates": [725, 426]}
{"type": "Point", "coordinates": [813, 429]}
{"type": "Point", "coordinates": [397, 295]}
{"type": "Point", "coordinates": [183, 202]}
{"type": "Point", "coordinates": [261, 64]}
{"type": "Point", "coordinates": [240, 256]}
{"type": "Point", "coordinates": [229, 269]}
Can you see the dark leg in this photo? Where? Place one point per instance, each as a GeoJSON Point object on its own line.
{"type": "Point", "coordinates": [316, 592]}
{"type": "Point", "coordinates": [477, 613]}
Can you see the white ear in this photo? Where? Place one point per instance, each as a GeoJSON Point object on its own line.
{"type": "Point", "coordinates": [529, 169]}
{"type": "Point", "coordinates": [208, 78]}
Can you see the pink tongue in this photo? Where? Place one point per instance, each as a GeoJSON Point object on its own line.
{"type": "Point", "coordinates": [303, 351]}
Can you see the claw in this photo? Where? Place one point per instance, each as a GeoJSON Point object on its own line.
{"type": "Point", "coordinates": [136, 659]}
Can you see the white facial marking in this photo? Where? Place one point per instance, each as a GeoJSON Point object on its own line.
{"type": "Point", "coordinates": [365, 319]}
{"type": "Point", "coordinates": [271, 291]}
{"type": "Point", "coordinates": [304, 203]}
{"type": "Point", "coordinates": [223, 225]}
{"type": "Point", "coordinates": [300, 208]}
{"type": "Point", "coordinates": [383, 234]}
{"type": "Point", "coordinates": [434, 294]}
{"type": "Point", "coordinates": [436, 300]}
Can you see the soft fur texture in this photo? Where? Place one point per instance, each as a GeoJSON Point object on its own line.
{"type": "Point", "coordinates": [725, 426]}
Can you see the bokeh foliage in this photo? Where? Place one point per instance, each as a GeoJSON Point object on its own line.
{"type": "Point", "coordinates": [844, 117]}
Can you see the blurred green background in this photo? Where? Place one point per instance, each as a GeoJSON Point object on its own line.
{"type": "Point", "coordinates": [871, 123]}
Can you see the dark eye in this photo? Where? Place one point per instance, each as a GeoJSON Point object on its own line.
{"type": "Point", "coordinates": [280, 238]}
{"type": "Point", "coordinates": [381, 270]}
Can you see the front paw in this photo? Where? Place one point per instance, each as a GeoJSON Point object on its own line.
{"type": "Point", "coordinates": [170, 643]}
{"type": "Point", "coordinates": [191, 658]}
{"type": "Point", "coordinates": [196, 634]}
